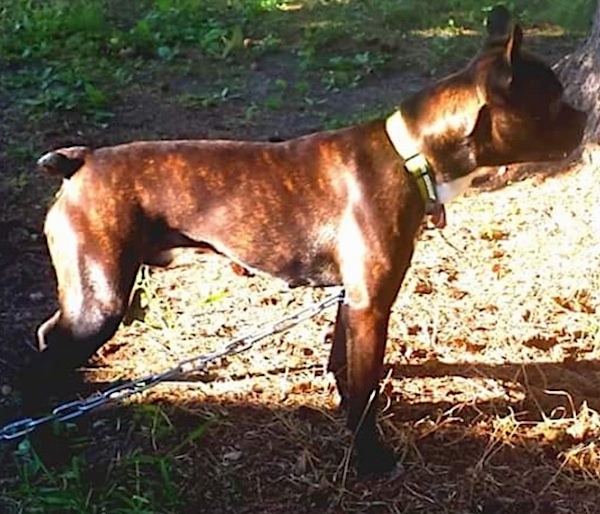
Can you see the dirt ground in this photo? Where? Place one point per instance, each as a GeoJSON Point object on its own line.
{"type": "Point", "coordinates": [493, 362]}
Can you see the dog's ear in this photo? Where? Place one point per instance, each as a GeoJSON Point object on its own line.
{"type": "Point", "coordinates": [505, 36]}
{"type": "Point", "coordinates": [512, 48]}
{"type": "Point", "coordinates": [499, 22]}
{"type": "Point", "coordinates": [503, 30]}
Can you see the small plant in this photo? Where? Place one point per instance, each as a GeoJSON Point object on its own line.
{"type": "Point", "coordinates": [274, 101]}
{"type": "Point", "coordinates": [268, 43]}
{"type": "Point", "coordinates": [211, 99]}
{"type": "Point", "coordinates": [147, 305]}
{"type": "Point", "coordinates": [362, 115]}
{"type": "Point", "coordinates": [154, 422]}
{"type": "Point", "coordinates": [18, 182]}
{"type": "Point", "coordinates": [350, 71]}
{"type": "Point", "coordinates": [250, 112]}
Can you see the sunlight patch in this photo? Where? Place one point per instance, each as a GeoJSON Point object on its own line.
{"type": "Point", "coordinates": [456, 389]}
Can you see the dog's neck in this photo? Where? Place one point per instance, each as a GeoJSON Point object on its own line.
{"type": "Point", "coordinates": [416, 163]}
{"type": "Point", "coordinates": [440, 123]}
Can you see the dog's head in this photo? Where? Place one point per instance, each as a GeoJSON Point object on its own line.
{"type": "Point", "coordinates": [524, 116]}
{"type": "Point", "coordinates": [506, 106]}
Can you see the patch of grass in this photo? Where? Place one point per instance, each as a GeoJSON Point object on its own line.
{"type": "Point", "coordinates": [574, 17]}
{"type": "Point", "coordinates": [363, 115]}
{"type": "Point", "coordinates": [56, 50]}
{"type": "Point", "coordinates": [71, 55]}
{"type": "Point", "coordinates": [348, 72]}
{"type": "Point", "coordinates": [136, 481]}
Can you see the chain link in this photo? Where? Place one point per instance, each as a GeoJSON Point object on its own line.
{"type": "Point", "coordinates": [120, 392]}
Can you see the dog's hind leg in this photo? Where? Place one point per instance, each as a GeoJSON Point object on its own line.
{"type": "Point", "coordinates": [93, 290]}
{"type": "Point", "coordinates": [338, 357]}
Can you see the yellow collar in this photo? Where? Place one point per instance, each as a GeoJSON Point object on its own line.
{"type": "Point", "coordinates": [414, 161]}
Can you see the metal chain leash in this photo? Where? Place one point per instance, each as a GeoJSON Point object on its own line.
{"type": "Point", "coordinates": [77, 408]}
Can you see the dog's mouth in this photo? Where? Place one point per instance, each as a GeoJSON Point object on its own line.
{"type": "Point", "coordinates": [437, 215]}
{"type": "Point", "coordinates": [559, 156]}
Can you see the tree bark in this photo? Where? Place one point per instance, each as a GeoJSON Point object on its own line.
{"type": "Point", "coordinates": [580, 74]}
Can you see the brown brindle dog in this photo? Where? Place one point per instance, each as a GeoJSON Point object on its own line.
{"type": "Point", "coordinates": [333, 208]}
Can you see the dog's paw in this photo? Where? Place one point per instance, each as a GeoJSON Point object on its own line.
{"type": "Point", "coordinates": [378, 462]}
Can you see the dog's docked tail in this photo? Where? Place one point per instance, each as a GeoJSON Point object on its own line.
{"type": "Point", "coordinates": [63, 162]}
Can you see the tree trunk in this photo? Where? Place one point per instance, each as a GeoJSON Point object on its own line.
{"type": "Point", "coordinates": [580, 73]}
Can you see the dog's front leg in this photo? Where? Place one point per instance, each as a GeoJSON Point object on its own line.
{"type": "Point", "coordinates": [362, 324]}
{"type": "Point", "coordinates": [94, 288]}
{"type": "Point", "coordinates": [366, 333]}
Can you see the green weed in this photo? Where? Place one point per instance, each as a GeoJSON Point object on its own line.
{"type": "Point", "coordinates": [147, 305]}
{"type": "Point", "coordinates": [344, 72]}
{"type": "Point", "coordinates": [150, 307]}
{"type": "Point", "coordinates": [133, 483]}
{"type": "Point", "coordinates": [209, 99]}
{"type": "Point", "coordinates": [362, 115]}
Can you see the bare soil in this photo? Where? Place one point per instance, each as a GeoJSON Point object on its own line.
{"type": "Point", "coordinates": [493, 372]}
